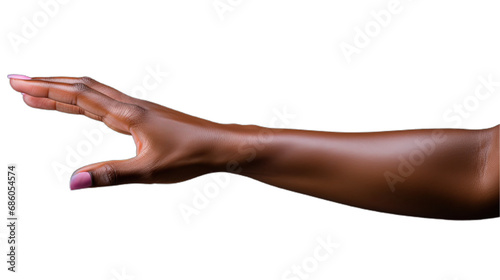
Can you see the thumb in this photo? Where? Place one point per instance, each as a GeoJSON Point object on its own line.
{"type": "Point", "coordinates": [108, 173]}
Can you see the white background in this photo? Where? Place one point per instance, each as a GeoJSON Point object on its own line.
{"type": "Point", "coordinates": [241, 66]}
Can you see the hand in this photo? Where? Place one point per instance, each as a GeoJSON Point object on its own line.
{"type": "Point", "coordinates": [170, 146]}
{"type": "Point", "coordinates": [449, 173]}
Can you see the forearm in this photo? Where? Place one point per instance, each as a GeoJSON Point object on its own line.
{"type": "Point", "coordinates": [429, 173]}
{"type": "Point", "coordinates": [446, 173]}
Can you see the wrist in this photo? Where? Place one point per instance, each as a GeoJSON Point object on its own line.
{"type": "Point", "coordinates": [236, 147]}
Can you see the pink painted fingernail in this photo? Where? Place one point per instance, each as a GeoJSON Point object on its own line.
{"type": "Point", "coordinates": [80, 181]}
{"type": "Point", "coordinates": [19, 77]}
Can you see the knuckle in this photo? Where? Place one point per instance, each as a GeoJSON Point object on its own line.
{"type": "Point", "coordinates": [87, 80]}
{"type": "Point", "coordinates": [77, 89]}
{"type": "Point", "coordinates": [80, 87]}
{"type": "Point", "coordinates": [134, 114]}
{"type": "Point", "coordinates": [80, 111]}
{"type": "Point", "coordinates": [146, 176]}
{"type": "Point", "coordinates": [108, 175]}
{"type": "Point", "coordinates": [150, 171]}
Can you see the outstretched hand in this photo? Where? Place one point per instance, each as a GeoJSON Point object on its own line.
{"type": "Point", "coordinates": [436, 173]}
{"type": "Point", "coordinates": [170, 146]}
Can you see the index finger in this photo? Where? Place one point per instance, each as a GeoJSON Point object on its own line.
{"type": "Point", "coordinates": [110, 111]}
{"type": "Point", "coordinates": [104, 89]}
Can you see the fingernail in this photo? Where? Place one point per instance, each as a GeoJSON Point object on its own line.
{"type": "Point", "coordinates": [80, 181]}
{"type": "Point", "coordinates": [23, 93]}
{"type": "Point", "coordinates": [19, 77]}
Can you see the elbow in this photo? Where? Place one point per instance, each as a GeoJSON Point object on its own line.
{"type": "Point", "coordinates": [484, 205]}
{"type": "Point", "coordinates": [484, 201]}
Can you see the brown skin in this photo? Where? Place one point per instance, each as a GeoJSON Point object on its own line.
{"type": "Point", "coordinates": [449, 173]}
